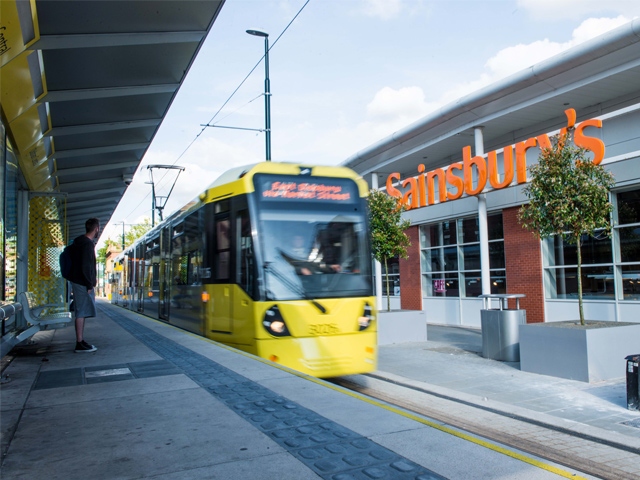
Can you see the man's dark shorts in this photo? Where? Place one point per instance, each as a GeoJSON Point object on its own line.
{"type": "Point", "coordinates": [84, 302]}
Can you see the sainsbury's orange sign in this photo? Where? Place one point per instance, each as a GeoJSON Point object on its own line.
{"type": "Point", "coordinates": [419, 191]}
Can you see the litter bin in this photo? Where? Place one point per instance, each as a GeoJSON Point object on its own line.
{"type": "Point", "coordinates": [633, 382]}
{"type": "Point", "coordinates": [501, 327]}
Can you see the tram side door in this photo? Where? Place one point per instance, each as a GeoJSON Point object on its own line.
{"type": "Point", "coordinates": [164, 302]}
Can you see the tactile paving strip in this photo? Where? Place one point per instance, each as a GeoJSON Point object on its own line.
{"type": "Point", "coordinates": [71, 377]}
{"type": "Point", "coordinates": [329, 449]}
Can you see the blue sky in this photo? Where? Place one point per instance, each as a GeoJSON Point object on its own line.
{"type": "Point", "coordinates": [344, 75]}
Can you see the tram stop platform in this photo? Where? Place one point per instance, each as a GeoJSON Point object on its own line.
{"type": "Point", "coordinates": [157, 402]}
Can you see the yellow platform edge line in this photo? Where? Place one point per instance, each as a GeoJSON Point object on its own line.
{"type": "Point", "coordinates": [377, 403]}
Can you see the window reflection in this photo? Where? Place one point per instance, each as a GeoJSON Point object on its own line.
{"type": "Point", "coordinates": [315, 255]}
{"type": "Point", "coordinates": [600, 272]}
{"type": "Point", "coordinates": [450, 257]}
{"type": "Point", "coordinates": [631, 282]}
{"type": "Point", "coordinates": [629, 207]}
{"type": "Point", "coordinates": [597, 282]}
{"type": "Point", "coordinates": [593, 250]}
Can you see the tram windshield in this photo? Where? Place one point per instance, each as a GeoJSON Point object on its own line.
{"type": "Point", "coordinates": [315, 249]}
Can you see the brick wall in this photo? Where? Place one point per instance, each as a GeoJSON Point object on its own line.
{"type": "Point", "coordinates": [410, 277]}
{"type": "Point", "coordinates": [524, 266]}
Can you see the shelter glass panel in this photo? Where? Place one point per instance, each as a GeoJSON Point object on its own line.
{"type": "Point", "coordinates": [10, 228]}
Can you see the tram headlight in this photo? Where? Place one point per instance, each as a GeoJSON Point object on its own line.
{"type": "Point", "coordinates": [274, 323]}
{"type": "Point", "coordinates": [367, 317]}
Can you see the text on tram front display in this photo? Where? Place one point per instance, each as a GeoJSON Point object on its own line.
{"type": "Point", "coordinates": [306, 191]}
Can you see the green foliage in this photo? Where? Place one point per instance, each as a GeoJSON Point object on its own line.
{"type": "Point", "coordinates": [388, 239]}
{"type": "Point", "coordinates": [102, 252]}
{"type": "Point", "coordinates": [568, 196]}
{"type": "Point", "coordinates": [137, 231]}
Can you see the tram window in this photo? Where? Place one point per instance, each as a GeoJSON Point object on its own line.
{"type": "Point", "coordinates": [244, 255]}
{"type": "Point", "coordinates": [222, 206]}
{"type": "Point", "coordinates": [187, 248]}
{"type": "Point", "coordinates": [223, 250]}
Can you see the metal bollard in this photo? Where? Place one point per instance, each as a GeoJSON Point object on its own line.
{"type": "Point", "coordinates": [633, 383]}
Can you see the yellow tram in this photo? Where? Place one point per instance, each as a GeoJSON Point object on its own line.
{"type": "Point", "coordinates": [272, 259]}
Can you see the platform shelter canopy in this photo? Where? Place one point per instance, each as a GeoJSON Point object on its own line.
{"type": "Point", "coordinates": [85, 87]}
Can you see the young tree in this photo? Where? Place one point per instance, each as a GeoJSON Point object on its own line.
{"type": "Point", "coordinates": [568, 196]}
{"type": "Point", "coordinates": [388, 239]}
{"type": "Point", "coordinates": [137, 231]}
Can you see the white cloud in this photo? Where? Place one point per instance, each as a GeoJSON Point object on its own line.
{"type": "Point", "coordinates": [389, 105]}
{"type": "Point", "coordinates": [559, 9]}
{"type": "Point", "coordinates": [384, 9]}
{"type": "Point", "coordinates": [518, 57]}
{"type": "Point", "coordinates": [393, 109]}
{"type": "Point", "coordinates": [388, 111]}
{"type": "Point", "coordinates": [204, 162]}
{"type": "Point", "coordinates": [593, 27]}
{"type": "Point", "coordinates": [515, 58]}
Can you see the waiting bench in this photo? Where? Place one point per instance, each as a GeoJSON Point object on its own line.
{"type": "Point", "coordinates": [7, 312]}
{"type": "Point", "coordinates": [33, 313]}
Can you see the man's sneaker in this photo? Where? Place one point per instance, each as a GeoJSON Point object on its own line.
{"type": "Point", "coordinates": [84, 347]}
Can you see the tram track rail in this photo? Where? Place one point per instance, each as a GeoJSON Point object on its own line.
{"type": "Point", "coordinates": [551, 441]}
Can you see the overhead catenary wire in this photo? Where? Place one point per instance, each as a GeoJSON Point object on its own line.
{"type": "Point", "coordinates": [226, 102]}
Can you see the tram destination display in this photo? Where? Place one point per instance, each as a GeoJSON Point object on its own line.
{"type": "Point", "coordinates": [283, 188]}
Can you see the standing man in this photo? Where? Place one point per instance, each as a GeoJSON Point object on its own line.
{"type": "Point", "coordinates": [83, 280]}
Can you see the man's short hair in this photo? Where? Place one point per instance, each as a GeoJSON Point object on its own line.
{"type": "Point", "coordinates": [91, 224]}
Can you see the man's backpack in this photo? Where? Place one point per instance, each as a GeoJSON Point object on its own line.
{"type": "Point", "coordinates": [66, 261]}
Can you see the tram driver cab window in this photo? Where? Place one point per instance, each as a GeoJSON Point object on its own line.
{"type": "Point", "coordinates": [330, 249]}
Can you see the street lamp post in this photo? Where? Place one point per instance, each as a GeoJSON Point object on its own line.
{"type": "Point", "coordinates": [267, 90]}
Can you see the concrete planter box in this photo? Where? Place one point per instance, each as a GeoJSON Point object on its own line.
{"type": "Point", "coordinates": [401, 326]}
{"type": "Point", "coordinates": [591, 353]}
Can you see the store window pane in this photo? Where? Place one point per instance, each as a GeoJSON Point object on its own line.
{"type": "Point", "coordinates": [499, 282]}
{"type": "Point", "coordinates": [450, 255]}
{"type": "Point", "coordinates": [438, 259]}
{"type": "Point", "coordinates": [630, 244]}
{"type": "Point", "coordinates": [432, 260]}
{"type": "Point", "coordinates": [470, 257]}
{"type": "Point", "coordinates": [494, 225]}
{"type": "Point", "coordinates": [631, 282]}
{"type": "Point", "coordinates": [470, 230]}
{"type": "Point", "coordinates": [391, 283]}
{"type": "Point", "coordinates": [459, 256]}
{"type": "Point", "coordinates": [439, 234]}
{"type": "Point", "coordinates": [594, 250]}
{"type": "Point", "coordinates": [441, 285]}
{"type": "Point", "coordinates": [496, 255]}
{"type": "Point", "coordinates": [597, 283]}
{"type": "Point", "coordinates": [629, 207]}
{"type": "Point", "coordinates": [472, 284]}
{"type": "Point", "coordinates": [449, 232]}
{"type": "Point", "coordinates": [425, 236]}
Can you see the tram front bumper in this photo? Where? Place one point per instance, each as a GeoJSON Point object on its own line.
{"type": "Point", "coordinates": [324, 356]}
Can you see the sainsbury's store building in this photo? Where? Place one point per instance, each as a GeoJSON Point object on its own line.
{"type": "Point", "coordinates": [461, 172]}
